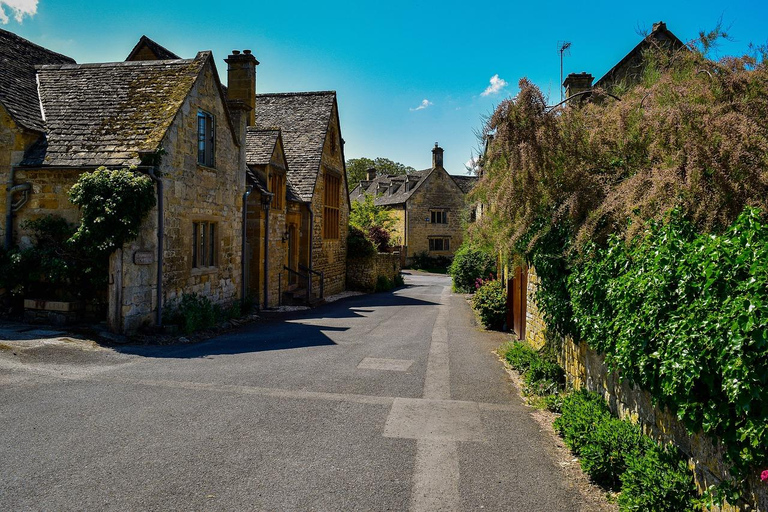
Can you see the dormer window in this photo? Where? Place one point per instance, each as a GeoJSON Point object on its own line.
{"type": "Point", "coordinates": [205, 138]}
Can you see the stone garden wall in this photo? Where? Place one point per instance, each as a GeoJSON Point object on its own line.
{"type": "Point", "coordinates": [363, 273]}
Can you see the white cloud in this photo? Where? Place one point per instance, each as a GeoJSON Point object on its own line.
{"type": "Point", "coordinates": [424, 104]}
{"type": "Point", "coordinates": [18, 8]}
{"type": "Point", "coordinates": [497, 84]}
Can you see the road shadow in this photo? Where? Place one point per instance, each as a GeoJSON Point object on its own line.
{"type": "Point", "coordinates": [283, 331]}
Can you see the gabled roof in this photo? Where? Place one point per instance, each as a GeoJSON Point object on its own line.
{"type": "Point", "coordinates": [400, 193]}
{"type": "Point", "coordinates": [659, 36]}
{"type": "Point", "coordinates": [303, 118]}
{"type": "Point", "coordinates": [160, 52]}
{"type": "Point", "coordinates": [259, 147]}
{"type": "Point", "coordinates": [465, 183]}
{"type": "Point", "coordinates": [105, 114]}
{"type": "Point", "coordinates": [18, 87]}
{"type": "Point", "coordinates": [260, 144]}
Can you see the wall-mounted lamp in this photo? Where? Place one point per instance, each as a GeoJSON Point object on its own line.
{"type": "Point", "coordinates": [286, 236]}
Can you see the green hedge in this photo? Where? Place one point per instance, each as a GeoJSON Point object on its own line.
{"type": "Point", "coordinates": [685, 316]}
{"type": "Point", "coordinates": [615, 454]}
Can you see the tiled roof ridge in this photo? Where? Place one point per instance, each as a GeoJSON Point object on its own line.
{"type": "Point", "coordinates": [287, 94]}
{"type": "Point", "coordinates": [37, 46]}
{"type": "Point", "coordinates": [122, 63]}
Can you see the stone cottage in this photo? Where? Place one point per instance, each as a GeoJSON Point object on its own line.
{"type": "Point", "coordinates": [168, 117]}
{"type": "Point", "coordinates": [312, 186]}
{"type": "Point", "coordinates": [428, 206]}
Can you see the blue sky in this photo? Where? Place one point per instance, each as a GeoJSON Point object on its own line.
{"type": "Point", "coordinates": [387, 59]}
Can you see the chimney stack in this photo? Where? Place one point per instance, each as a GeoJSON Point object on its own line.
{"type": "Point", "coordinates": [241, 82]}
{"type": "Point", "coordinates": [577, 82]}
{"type": "Point", "coordinates": [437, 156]}
{"type": "Point", "coordinates": [370, 174]}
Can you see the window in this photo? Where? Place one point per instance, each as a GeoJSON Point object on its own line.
{"type": "Point", "coordinates": [205, 138]}
{"type": "Point", "coordinates": [439, 217]}
{"type": "Point", "coordinates": [440, 244]}
{"type": "Point", "coordinates": [331, 206]}
{"type": "Point", "coordinates": [203, 244]}
{"type": "Point", "coordinates": [277, 187]}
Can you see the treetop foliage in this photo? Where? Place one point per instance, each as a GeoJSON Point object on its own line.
{"type": "Point", "coordinates": [358, 167]}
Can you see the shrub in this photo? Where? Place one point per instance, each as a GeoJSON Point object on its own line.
{"type": "Point", "coordinates": [384, 284]}
{"type": "Point", "coordinates": [658, 480]}
{"type": "Point", "coordinates": [519, 356]}
{"type": "Point", "coordinates": [423, 261]}
{"type": "Point", "coordinates": [380, 237]}
{"type": "Point", "coordinates": [358, 244]}
{"type": "Point", "coordinates": [399, 281]}
{"type": "Point", "coordinates": [192, 313]}
{"type": "Point", "coordinates": [582, 412]}
{"type": "Point", "coordinates": [468, 265]}
{"type": "Point", "coordinates": [611, 445]}
{"type": "Point", "coordinates": [490, 302]}
{"type": "Point", "coordinates": [543, 376]}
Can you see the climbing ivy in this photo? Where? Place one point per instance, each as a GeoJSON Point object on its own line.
{"type": "Point", "coordinates": [113, 204]}
{"type": "Point", "coordinates": [685, 316]}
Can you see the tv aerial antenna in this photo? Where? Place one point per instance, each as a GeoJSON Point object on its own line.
{"type": "Point", "coordinates": [562, 48]}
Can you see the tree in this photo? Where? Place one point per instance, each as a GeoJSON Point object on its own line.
{"type": "Point", "coordinates": [358, 167]}
{"type": "Point", "coordinates": [367, 215]}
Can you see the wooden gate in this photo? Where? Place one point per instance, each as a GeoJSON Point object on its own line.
{"type": "Point", "coordinates": [516, 301]}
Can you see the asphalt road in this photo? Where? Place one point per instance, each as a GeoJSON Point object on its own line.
{"type": "Point", "coordinates": [390, 401]}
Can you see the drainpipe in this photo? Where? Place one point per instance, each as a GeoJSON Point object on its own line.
{"type": "Point", "coordinates": [311, 233]}
{"type": "Point", "coordinates": [266, 201]}
{"type": "Point", "coordinates": [248, 191]}
{"type": "Point", "coordinates": [160, 229]}
{"type": "Point", "coordinates": [10, 207]}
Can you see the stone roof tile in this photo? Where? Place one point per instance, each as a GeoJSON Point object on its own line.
{"type": "Point", "coordinates": [303, 119]}
{"type": "Point", "coordinates": [105, 114]}
{"type": "Point", "coordinates": [18, 87]}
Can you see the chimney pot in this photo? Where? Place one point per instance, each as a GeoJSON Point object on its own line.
{"type": "Point", "coordinates": [437, 156]}
{"type": "Point", "coordinates": [241, 81]}
{"type": "Point", "coordinates": [577, 82]}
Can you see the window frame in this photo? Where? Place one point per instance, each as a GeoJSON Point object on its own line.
{"type": "Point", "coordinates": [206, 138]}
{"type": "Point", "coordinates": [277, 187]}
{"type": "Point", "coordinates": [445, 243]}
{"type": "Point", "coordinates": [205, 235]}
{"type": "Point", "coordinates": [439, 214]}
{"type": "Point", "coordinates": [331, 205]}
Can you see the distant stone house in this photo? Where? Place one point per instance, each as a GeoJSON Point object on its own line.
{"type": "Point", "coordinates": [428, 206]}
{"type": "Point", "coordinates": [165, 116]}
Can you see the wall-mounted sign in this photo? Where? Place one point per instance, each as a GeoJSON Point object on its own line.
{"type": "Point", "coordinates": [143, 257]}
